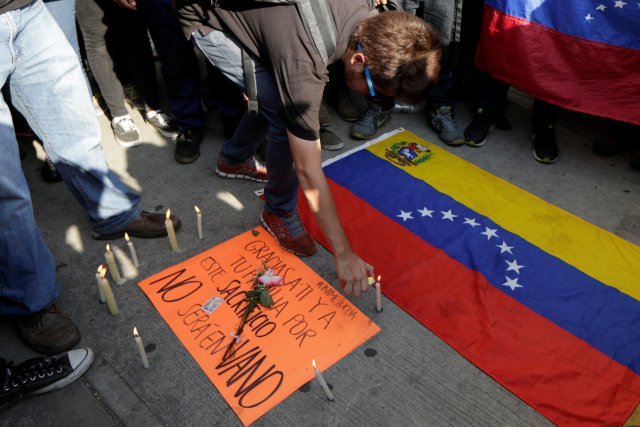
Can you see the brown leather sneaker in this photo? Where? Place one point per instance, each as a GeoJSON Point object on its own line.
{"type": "Point", "coordinates": [48, 331]}
{"type": "Point", "coordinates": [147, 226]}
{"type": "Point", "coordinates": [289, 232]}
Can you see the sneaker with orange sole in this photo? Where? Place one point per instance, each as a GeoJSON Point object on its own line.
{"type": "Point", "coordinates": [289, 232]}
{"type": "Point", "coordinates": [250, 169]}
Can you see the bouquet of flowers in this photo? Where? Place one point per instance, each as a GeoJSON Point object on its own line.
{"type": "Point", "coordinates": [265, 278]}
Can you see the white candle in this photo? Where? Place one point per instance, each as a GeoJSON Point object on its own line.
{"type": "Point", "coordinates": [378, 296]}
{"type": "Point", "coordinates": [199, 214]}
{"type": "Point", "coordinates": [113, 267]}
{"type": "Point", "coordinates": [171, 232]}
{"type": "Point", "coordinates": [141, 350]}
{"type": "Point", "coordinates": [132, 250]}
{"type": "Point", "coordinates": [322, 382]}
{"type": "Point", "coordinates": [98, 277]}
{"type": "Point", "coordinates": [108, 293]}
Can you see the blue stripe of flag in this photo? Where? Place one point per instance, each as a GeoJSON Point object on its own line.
{"type": "Point", "coordinates": [599, 314]}
{"type": "Point", "coordinates": [606, 21]}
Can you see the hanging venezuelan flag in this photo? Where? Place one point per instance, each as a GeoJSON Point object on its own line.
{"type": "Point", "coordinates": [582, 55]}
{"type": "Point", "coordinates": [542, 301]}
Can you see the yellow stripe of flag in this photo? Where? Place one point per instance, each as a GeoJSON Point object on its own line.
{"type": "Point", "coordinates": [593, 250]}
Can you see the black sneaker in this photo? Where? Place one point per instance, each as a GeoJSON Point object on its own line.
{"type": "Point", "coordinates": [545, 149]}
{"type": "Point", "coordinates": [475, 135]}
{"type": "Point", "coordinates": [48, 331]}
{"type": "Point", "coordinates": [41, 374]}
{"type": "Point", "coordinates": [162, 123]}
{"type": "Point", "coordinates": [188, 145]}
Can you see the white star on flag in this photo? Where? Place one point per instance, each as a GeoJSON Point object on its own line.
{"type": "Point", "coordinates": [589, 17]}
{"type": "Point", "coordinates": [425, 212]}
{"type": "Point", "coordinates": [448, 215]}
{"type": "Point", "coordinates": [490, 232]}
{"type": "Point", "coordinates": [404, 215]}
{"type": "Point", "coordinates": [505, 248]}
{"type": "Point", "coordinates": [620, 4]}
{"type": "Point", "coordinates": [512, 283]}
{"type": "Point", "coordinates": [471, 221]}
{"type": "Point", "coordinates": [601, 7]}
{"type": "Point", "coordinates": [513, 265]}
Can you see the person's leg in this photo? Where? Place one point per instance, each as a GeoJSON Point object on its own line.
{"type": "Point", "coordinates": [445, 16]}
{"type": "Point", "coordinates": [130, 31]}
{"type": "Point", "coordinates": [282, 187]}
{"type": "Point", "coordinates": [64, 13]}
{"type": "Point", "coordinates": [47, 88]}
{"type": "Point", "coordinates": [27, 268]}
{"type": "Point", "coordinates": [490, 103]}
{"type": "Point", "coordinates": [543, 132]}
{"type": "Point", "coordinates": [91, 20]}
{"type": "Point", "coordinates": [178, 61]}
{"type": "Point", "coordinates": [28, 288]}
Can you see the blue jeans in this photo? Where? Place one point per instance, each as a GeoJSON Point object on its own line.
{"type": "Point", "coordinates": [281, 191]}
{"type": "Point", "coordinates": [47, 87]}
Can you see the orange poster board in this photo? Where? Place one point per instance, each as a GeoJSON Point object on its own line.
{"type": "Point", "coordinates": [203, 298]}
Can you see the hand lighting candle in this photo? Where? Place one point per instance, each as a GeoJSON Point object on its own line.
{"type": "Point", "coordinates": [322, 382]}
{"type": "Point", "coordinates": [199, 214]}
{"type": "Point", "coordinates": [132, 250]}
{"type": "Point", "coordinates": [141, 350]}
{"type": "Point", "coordinates": [171, 232]}
{"type": "Point", "coordinates": [378, 295]}
{"type": "Point", "coordinates": [113, 267]}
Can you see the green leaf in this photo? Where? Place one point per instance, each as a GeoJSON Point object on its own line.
{"type": "Point", "coordinates": [265, 299]}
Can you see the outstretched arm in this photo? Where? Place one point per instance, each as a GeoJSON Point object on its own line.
{"type": "Point", "coordinates": [351, 270]}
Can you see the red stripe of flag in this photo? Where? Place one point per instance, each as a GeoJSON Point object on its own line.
{"type": "Point", "coordinates": [574, 73]}
{"type": "Point", "coordinates": [561, 376]}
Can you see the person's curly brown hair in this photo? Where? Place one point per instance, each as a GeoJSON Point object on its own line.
{"type": "Point", "coordinates": [402, 50]}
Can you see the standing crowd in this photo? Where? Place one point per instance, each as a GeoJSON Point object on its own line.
{"type": "Point", "coordinates": [272, 69]}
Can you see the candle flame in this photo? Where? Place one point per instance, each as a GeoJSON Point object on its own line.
{"type": "Point", "coordinates": [108, 249]}
{"type": "Point", "coordinates": [99, 270]}
{"type": "Point", "coordinates": [126, 237]}
{"type": "Point", "coordinates": [135, 331]}
{"type": "Point", "coordinates": [379, 277]}
{"type": "Point", "coordinates": [197, 209]}
{"type": "Point", "coordinates": [313, 363]}
{"type": "Point", "coordinates": [102, 270]}
{"type": "Point", "coordinates": [168, 214]}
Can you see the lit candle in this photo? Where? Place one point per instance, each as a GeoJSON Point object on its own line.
{"type": "Point", "coordinates": [113, 267]}
{"type": "Point", "coordinates": [199, 214]}
{"type": "Point", "coordinates": [98, 277]}
{"type": "Point", "coordinates": [171, 232]}
{"type": "Point", "coordinates": [322, 382]}
{"type": "Point", "coordinates": [143, 353]}
{"type": "Point", "coordinates": [132, 250]}
{"type": "Point", "coordinates": [108, 293]}
{"type": "Point", "coordinates": [378, 296]}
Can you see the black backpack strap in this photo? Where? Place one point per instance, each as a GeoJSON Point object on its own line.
{"type": "Point", "coordinates": [249, 68]}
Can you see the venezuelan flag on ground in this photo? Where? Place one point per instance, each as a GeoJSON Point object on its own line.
{"type": "Point", "coordinates": [542, 301]}
{"type": "Point", "coordinates": [579, 54]}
